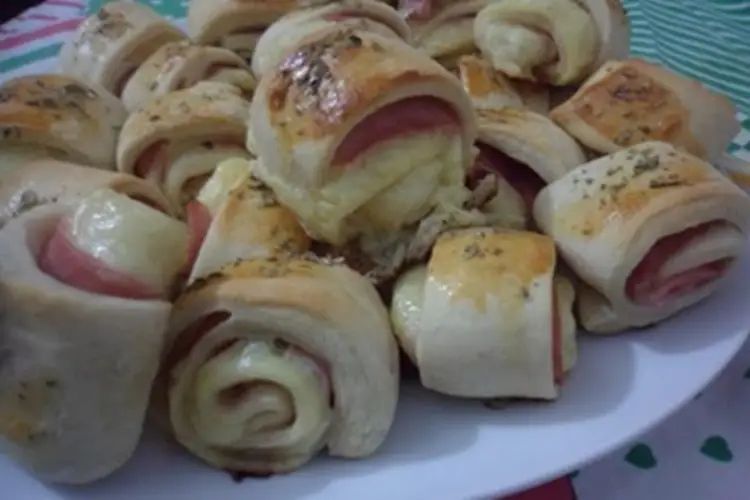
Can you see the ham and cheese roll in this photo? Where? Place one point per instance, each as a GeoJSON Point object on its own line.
{"type": "Point", "coordinates": [246, 221]}
{"type": "Point", "coordinates": [650, 228]}
{"type": "Point", "coordinates": [176, 140]}
{"type": "Point", "coordinates": [525, 148]}
{"type": "Point", "coordinates": [110, 45]}
{"type": "Point", "coordinates": [485, 317]}
{"type": "Point", "coordinates": [272, 360]}
{"type": "Point", "coordinates": [444, 29]}
{"type": "Point", "coordinates": [361, 135]}
{"type": "Point", "coordinates": [51, 116]}
{"type": "Point", "coordinates": [552, 41]}
{"type": "Point", "coordinates": [490, 89]}
{"type": "Point", "coordinates": [238, 24]}
{"type": "Point", "coordinates": [83, 327]}
{"type": "Point", "coordinates": [180, 65]}
{"type": "Point", "coordinates": [361, 15]}
{"type": "Point", "coordinates": [51, 181]}
{"type": "Point", "coordinates": [633, 101]}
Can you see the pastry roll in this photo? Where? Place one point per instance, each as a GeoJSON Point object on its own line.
{"type": "Point", "coordinates": [651, 228]}
{"type": "Point", "coordinates": [527, 149]}
{"type": "Point", "coordinates": [51, 116]}
{"type": "Point", "coordinates": [110, 45]}
{"type": "Point", "coordinates": [52, 181]}
{"type": "Point", "coordinates": [273, 360]}
{"type": "Point", "coordinates": [365, 141]}
{"type": "Point", "coordinates": [83, 329]}
{"type": "Point", "coordinates": [483, 318]}
{"type": "Point", "coordinates": [490, 89]}
{"type": "Point", "coordinates": [176, 140]}
{"type": "Point", "coordinates": [238, 24]}
{"type": "Point", "coordinates": [247, 221]}
{"type": "Point", "coordinates": [444, 29]}
{"type": "Point", "coordinates": [180, 65]}
{"type": "Point", "coordinates": [550, 41]}
{"type": "Point", "coordinates": [361, 15]}
{"type": "Point", "coordinates": [633, 101]}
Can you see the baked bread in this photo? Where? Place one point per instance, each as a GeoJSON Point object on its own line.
{"type": "Point", "coordinates": [633, 101]}
{"type": "Point", "coordinates": [525, 148]}
{"type": "Point", "coordinates": [83, 288]}
{"type": "Point", "coordinates": [285, 34]}
{"type": "Point", "coordinates": [549, 41]}
{"type": "Point", "coordinates": [444, 29]}
{"type": "Point", "coordinates": [180, 65]}
{"type": "Point", "coordinates": [246, 221]}
{"type": "Point", "coordinates": [52, 116]}
{"type": "Point", "coordinates": [652, 229]}
{"type": "Point", "coordinates": [110, 45]}
{"type": "Point", "coordinates": [51, 181]}
{"type": "Point", "coordinates": [323, 370]}
{"type": "Point", "coordinates": [237, 24]}
{"type": "Point", "coordinates": [483, 318]}
{"type": "Point", "coordinates": [312, 121]}
{"type": "Point", "coordinates": [176, 140]}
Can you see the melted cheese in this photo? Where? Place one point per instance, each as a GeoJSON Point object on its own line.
{"type": "Point", "coordinates": [287, 406]}
{"type": "Point", "coordinates": [568, 327]}
{"type": "Point", "coordinates": [194, 162]}
{"type": "Point", "coordinates": [129, 237]}
{"type": "Point", "coordinates": [228, 174]}
{"type": "Point", "coordinates": [406, 308]}
{"type": "Point", "coordinates": [402, 165]}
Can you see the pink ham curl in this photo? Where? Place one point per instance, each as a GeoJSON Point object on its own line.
{"type": "Point", "coordinates": [521, 178]}
{"type": "Point", "coordinates": [65, 262]}
{"type": "Point", "coordinates": [413, 115]}
{"type": "Point", "coordinates": [645, 286]}
{"type": "Point", "coordinates": [62, 260]}
{"type": "Point", "coordinates": [417, 10]}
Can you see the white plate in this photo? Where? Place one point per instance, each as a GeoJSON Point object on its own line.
{"type": "Point", "coordinates": [446, 449]}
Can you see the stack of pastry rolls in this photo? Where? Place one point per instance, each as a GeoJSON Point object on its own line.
{"type": "Point", "coordinates": [241, 229]}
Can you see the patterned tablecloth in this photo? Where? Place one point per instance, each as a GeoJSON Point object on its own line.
{"type": "Point", "coordinates": [701, 453]}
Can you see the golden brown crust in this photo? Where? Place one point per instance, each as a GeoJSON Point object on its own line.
{"type": "Point", "coordinates": [110, 44]}
{"type": "Point", "coordinates": [62, 113]}
{"type": "Point", "coordinates": [633, 101]}
{"type": "Point", "coordinates": [177, 66]}
{"type": "Point", "coordinates": [634, 179]}
{"type": "Point", "coordinates": [461, 260]}
{"type": "Point", "coordinates": [338, 75]}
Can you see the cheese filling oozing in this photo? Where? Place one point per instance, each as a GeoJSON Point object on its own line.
{"type": "Point", "coordinates": [228, 175]}
{"type": "Point", "coordinates": [391, 186]}
{"type": "Point", "coordinates": [260, 395]}
{"type": "Point", "coordinates": [195, 162]}
{"type": "Point", "coordinates": [129, 237]}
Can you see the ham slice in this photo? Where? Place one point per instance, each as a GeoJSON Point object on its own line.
{"type": "Point", "coordinates": [416, 10]}
{"type": "Point", "coordinates": [62, 260]}
{"type": "Point", "coordinates": [408, 116]}
{"type": "Point", "coordinates": [154, 161]}
{"type": "Point", "coordinates": [522, 178]}
{"type": "Point", "coordinates": [647, 286]}
{"type": "Point", "coordinates": [557, 357]}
